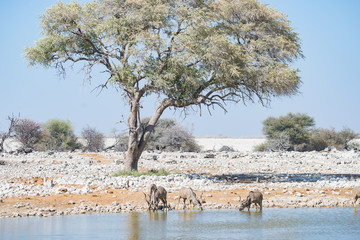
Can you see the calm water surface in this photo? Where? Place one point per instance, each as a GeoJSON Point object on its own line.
{"type": "Point", "coordinates": [305, 223]}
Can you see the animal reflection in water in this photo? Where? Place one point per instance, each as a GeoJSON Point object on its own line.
{"type": "Point", "coordinates": [189, 215]}
{"type": "Point", "coordinates": [157, 216]}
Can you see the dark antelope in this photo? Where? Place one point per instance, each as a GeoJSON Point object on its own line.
{"type": "Point", "coordinates": [188, 193]}
{"type": "Point", "coordinates": [254, 197]}
{"type": "Point", "coordinates": [155, 195]}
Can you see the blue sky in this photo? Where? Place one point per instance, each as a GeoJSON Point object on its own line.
{"type": "Point", "coordinates": [330, 34]}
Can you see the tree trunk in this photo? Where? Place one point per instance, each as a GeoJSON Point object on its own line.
{"type": "Point", "coordinates": [132, 159]}
{"type": "Point", "coordinates": [132, 156]}
{"type": "Point", "coordinates": [137, 145]}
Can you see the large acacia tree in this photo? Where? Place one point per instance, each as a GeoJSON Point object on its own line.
{"type": "Point", "coordinates": [187, 52]}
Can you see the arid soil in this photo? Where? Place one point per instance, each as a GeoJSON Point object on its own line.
{"type": "Point", "coordinates": [60, 204]}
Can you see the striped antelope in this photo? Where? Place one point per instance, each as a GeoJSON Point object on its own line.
{"type": "Point", "coordinates": [186, 193]}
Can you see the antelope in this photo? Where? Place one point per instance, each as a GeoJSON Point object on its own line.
{"type": "Point", "coordinates": [152, 189]}
{"type": "Point", "coordinates": [159, 194]}
{"type": "Point", "coordinates": [155, 195]}
{"type": "Point", "coordinates": [253, 197]}
{"type": "Point", "coordinates": [356, 193]}
{"type": "Point", "coordinates": [188, 193]}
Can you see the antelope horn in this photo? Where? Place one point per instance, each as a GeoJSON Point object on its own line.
{"type": "Point", "coordinates": [146, 198]}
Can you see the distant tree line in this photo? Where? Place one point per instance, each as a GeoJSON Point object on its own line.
{"type": "Point", "coordinates": [297, 132]}
{"type": "Point", "coordinates": [58, 135]}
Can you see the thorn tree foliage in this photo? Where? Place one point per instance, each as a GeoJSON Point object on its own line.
{"type": "Point", "coordinates": [190, 53]}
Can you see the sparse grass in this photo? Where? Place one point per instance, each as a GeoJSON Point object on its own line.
{"type": "Point", "coordinates": [151, 172]}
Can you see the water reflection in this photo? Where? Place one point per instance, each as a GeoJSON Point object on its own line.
{"type": "Point", "coordinates": [357, 212]}
{"type": "Point", "coordinates": [252, 214]}
{"type": "Point", "coordinates": [157, 216]}
{"type": "Point", "coordinates": [335, 223]}
{"type": "Point", "coordinates": [188, 216]}
{"type": "Point", "coordinates": [133, 226]}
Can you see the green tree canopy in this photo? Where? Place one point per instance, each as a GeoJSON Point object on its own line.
{"type": "Point", "coordinates": [60, 135]}
{"type": "Point", "coordinates": [294, 125]}
{"type": "Point", "coordinates": [189, 53]}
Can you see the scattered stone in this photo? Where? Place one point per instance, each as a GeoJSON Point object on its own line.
{"type": "Point", "coordinates": [210, 155]}
{"type": "Point", "coordinates": [285, 172]}
{"type": "Point", "coordinates": [299, 194]}
{"type": "Point", "coordinates": [19, 205]}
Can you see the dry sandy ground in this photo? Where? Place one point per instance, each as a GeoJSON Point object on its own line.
{"type": "Point", "coordinates": [63, 202]}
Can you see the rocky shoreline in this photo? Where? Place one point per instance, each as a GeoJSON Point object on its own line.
{"type": "Point", "coordinates": [51, 183]}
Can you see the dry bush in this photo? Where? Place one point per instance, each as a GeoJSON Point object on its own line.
{"type": "Point", "coordinates": [279, 142]}
{"type": "Point", "coordinates": [95, 140]}
{"type": "Point", "coordinates": [28, 133]}
{"type": "Point", "coordinates": [323, 138]}
{"type": "Point", "coordinates": [168, 135]}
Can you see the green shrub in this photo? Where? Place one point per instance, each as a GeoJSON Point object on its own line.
{"type": "Point", "coordinates": [60, 136]}
{"type": "Point", "coordinates": [296, 126]}
{"type": "Point", "coordinates": [134, 173]}
{"type": "Point", "coordinates": [290, 132]}
{"type": "Point", "coordinates": [262, 147]}
{"type": "Point", "coordinates": [295, 132]}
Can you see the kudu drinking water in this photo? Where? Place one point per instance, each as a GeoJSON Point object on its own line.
{"type": "Point", "coordinates": [253, 197]}
{"type": "Point", "coordinates": [152, 189]}
{"type": "Point", "coordinates": [155, 195]}
{"type": "Point", "coordinates": [188, 193]}
{"type": "Point", "coordinates": [148, 199]}
{"type": "Point", "coordinates": [356, 194]}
